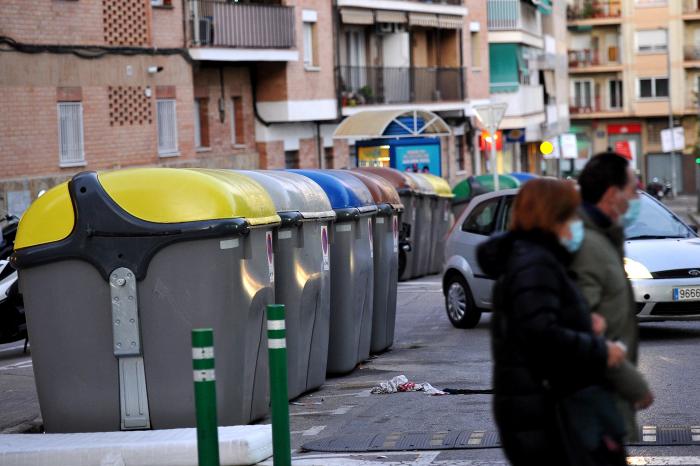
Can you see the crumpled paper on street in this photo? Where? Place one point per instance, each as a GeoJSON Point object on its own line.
{"type": "Point", "coordinates": [401, 384]}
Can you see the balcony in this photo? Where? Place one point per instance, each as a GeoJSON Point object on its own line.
{"type": "Point", "coordinates": [592, 109]}
{"type": "Point", "coordinates": [506, 17]}
{"type": "Point", "coordinates": [448, 7]}
{"type": "Point", "coordinates": [241, 32]}
{"type": "Point", "coordinates": [594, 12]}
{"type": "Point", "coordinates": [691, 9]}
{"type": "Point", "coordinates": [375, 85]}
{"type": "Point", "coordinates": [691, 56]}
{"type": "Point", "coordinates": [592, 60]}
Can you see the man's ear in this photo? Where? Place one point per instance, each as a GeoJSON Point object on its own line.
{"type": "Point", "coordinates": [608, 197]}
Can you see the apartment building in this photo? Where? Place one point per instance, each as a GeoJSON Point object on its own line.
{"type": "Point", "coordinates": [633, 63]}
{"type": "Point", "coordinates": [528, 72]}
{"type": "Point", "coordinates": [105, 84]}
{"type": "Point", "coordinates": [403, 55]}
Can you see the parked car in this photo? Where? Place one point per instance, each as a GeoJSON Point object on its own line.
{"type": "Point", "coordinates": [662, 261]}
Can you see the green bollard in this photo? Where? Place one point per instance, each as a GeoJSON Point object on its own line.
{"type": "Point", "coordinates": [205, 396]}
{"type": "Point", "coordinates": [277, 350]}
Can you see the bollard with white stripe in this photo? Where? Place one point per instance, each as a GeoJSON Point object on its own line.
{"type": "Point", "coordinates": [277, 350]}
{"type": "Point", "coordinates": [205, 396]}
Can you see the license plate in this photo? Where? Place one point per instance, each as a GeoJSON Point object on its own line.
{"type": "Point", "coordinates": [686, 293]}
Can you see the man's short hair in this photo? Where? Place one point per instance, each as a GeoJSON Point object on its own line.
{"type": "Point", "coordinates": [600, 173]}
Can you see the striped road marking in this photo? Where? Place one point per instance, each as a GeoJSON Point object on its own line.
{"type": "Point", "coordinates": [310, 432]}
{"type": "Point", "coordinates": [334, 412]}
{"type": "Point", "coordinates": [17, 365]}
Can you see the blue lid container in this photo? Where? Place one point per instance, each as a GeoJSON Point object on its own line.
{"type": "Point", "coordinates": [343, 190]}
{"type": "Point", "coordinates": [523, 176]}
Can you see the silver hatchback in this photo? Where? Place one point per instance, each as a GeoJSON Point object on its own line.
{"type": "Point", "coordinates": [662, 260]}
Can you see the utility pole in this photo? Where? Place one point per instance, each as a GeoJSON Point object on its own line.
{"type": "Point", "coordinates": [670, 121]}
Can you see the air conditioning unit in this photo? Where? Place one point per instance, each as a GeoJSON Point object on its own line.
{"type": "Point", "coordinates": [385, 28]}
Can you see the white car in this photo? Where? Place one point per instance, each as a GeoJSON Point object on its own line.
{"type": "Point", "coordinates": [662, 261]}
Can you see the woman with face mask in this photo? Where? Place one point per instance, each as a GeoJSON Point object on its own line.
{"type": "Point", "coordinates": [549, 364]}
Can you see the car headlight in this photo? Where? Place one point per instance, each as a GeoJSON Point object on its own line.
{"type": "Point", "coordinates": [636, 270]}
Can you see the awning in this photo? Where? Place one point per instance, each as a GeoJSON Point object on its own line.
{"type": "Point", "coordinates": [370, 124]}
{"type": "Point", "coordinates": [384, 16]}
{"type": "Point", "coordinates": [451, 22]}
{"type": "Point", "coordinates": [357, 16]}
{"type": "Point", "coordinates": [503, 62]}
{"type": "Point", "coordinates": [545, 6]}
{"type": "Point", "coordinates": [423, 19]}
{"type": "Point", "coordinates": [549, 83]}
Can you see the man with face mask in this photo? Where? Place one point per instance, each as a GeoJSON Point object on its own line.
{"type": "Point", "coordinates": [611, 202]}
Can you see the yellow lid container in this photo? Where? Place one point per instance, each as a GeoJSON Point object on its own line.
{"type": "Point", "coordinates": [440, 185]}
{"type": "Point", "coordinates": [155, 195]}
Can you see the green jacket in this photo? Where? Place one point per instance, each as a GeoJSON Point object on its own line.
{"type": "Point", "coordinates": [601, 276]}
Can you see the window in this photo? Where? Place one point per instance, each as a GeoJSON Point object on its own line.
{"type": "Point", "coordinates": [459, 153]}
{"type": "Point", "coordinates": [237, 127]}
{"type": "Point", "coordinates": [70, 134]}
{"type": "Point", "coordinates": [201, 123]}
{"type": "Point", "coordinates": [328, 154]}
{"type": "Point", "coordinates": [161, 2]}
{"type": "Point", "coordinates": [291, 159]}
{"type": "Point", "coordinates": [309, 18]}
{"type": "Point", "coordinates": [167, 127]}
{"type": "Point", "coordinates": [615, 93]}
{"type": "Point", "coordinates": [651, 41]}
{"type": "Point", "coordinates": [482, 220]}
{"type": "Point", "coordinates": [475, 44]}
{"type": "Point", "coordinates": [652, 88]}
{"type": "Point", "coordinates": [507, 211]}
{"type": "Point", "coordinates": [583, 93]}
{"type": "Point", "coordinates": [654, 128]}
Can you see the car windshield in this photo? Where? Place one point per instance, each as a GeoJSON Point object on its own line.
{"type": "Point", "coordinates": [656, 222]}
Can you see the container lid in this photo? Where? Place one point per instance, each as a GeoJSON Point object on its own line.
{"type": "Point", "coordinates": [425, 187]}
{"type": "Point", "coordinates": [383, 192]}
{"type": "Point", "coordinates": [462, 190]}
{"type": "Point", "coordinates": [441, 186]}
{"type": "Point", "coordinates": [523, 176]}
{"type": "Point", "coordinates": [504, 181]}
{"type": "Point", "coordinates": [293, 193]}
{"type": "Point", "coordinates": [398, 179]}
{"type": "Point", "coordinates": [155, 195]}
{"type": "Point", "coordinates": [343, 190]}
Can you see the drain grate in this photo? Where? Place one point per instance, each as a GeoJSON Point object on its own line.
{"type": "Point", "coordinates": [476, 439]}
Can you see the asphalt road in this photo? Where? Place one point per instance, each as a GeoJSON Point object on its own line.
{"type": "Point", "coordinates": [428, 349]}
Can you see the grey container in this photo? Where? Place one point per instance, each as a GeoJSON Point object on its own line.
{"type": "Point", "coordinates": [302, 269]}
{"type": "Point", "coordinates": [442, 221]}
{"type": "Point", "coordinates": [422, 237]}
{"type": "Point", "coordinates": [111, 306]}
{"type": "Point", "coordinates": [408, 192]}
{"type": "Point", "coordinates": [352, 268]}
{"type": "Point", "coordinates": [385, 236]}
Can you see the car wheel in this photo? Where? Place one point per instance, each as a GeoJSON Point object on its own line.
{"type": "Point", "coordinates": [459, 303]}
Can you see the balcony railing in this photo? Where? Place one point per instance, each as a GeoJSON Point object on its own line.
{"type": "Point", "coordinates": [374, 85]}
{"type": "Point", "coordinates": [441, 2]}
{"type": "Point", "coordinates": [691, 6]}
{"type": "Point", "coordinates": [691, 52]}
{"type": "Point", "coordinates": [220, 23]}
{"type": "Point", "coordinates": [511, 15]}
{"type": "Point", "coordinates": [591, 106]}
{"type": "Point", "coordinates": [587, 9]}
{"type": "Point", "coordinates": [593, 57]}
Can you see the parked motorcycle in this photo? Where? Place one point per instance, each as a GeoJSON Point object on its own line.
{"type": "Point", "coordinates": [660, 189]}
{"type": "Point", "coordinates": [13, 324]}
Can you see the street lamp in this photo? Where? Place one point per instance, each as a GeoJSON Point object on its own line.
{"type": "Point", "coordinates": [490, 117]}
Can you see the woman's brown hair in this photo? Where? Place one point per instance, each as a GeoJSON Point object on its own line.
{"type": "Point", "coordinates": [543, 203]}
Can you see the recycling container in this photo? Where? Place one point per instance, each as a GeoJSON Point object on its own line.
{"type": "Point", "coordinates": [442, 221]}
{"type": "Point", "coordinates": [385, 236]}
{"type": "Point", "coordinates": [352, 268]}
{"type": "Point", "coordinates": [302, 273]}
{"type": "Point", "coordinates": [117, 269]}
{"type": "Point", "coordinates": [473, 186]}
{"type": "Point", "coordinates": [423, 228]}
{"type": "Point", "coordinates": [408, 194]}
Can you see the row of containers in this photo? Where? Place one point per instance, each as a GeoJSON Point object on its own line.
{"type": "Point", "coordinates": [117, 268]}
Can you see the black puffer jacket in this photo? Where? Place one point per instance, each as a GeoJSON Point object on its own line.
{"type": "Point", "coordinates": [542, 343]}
